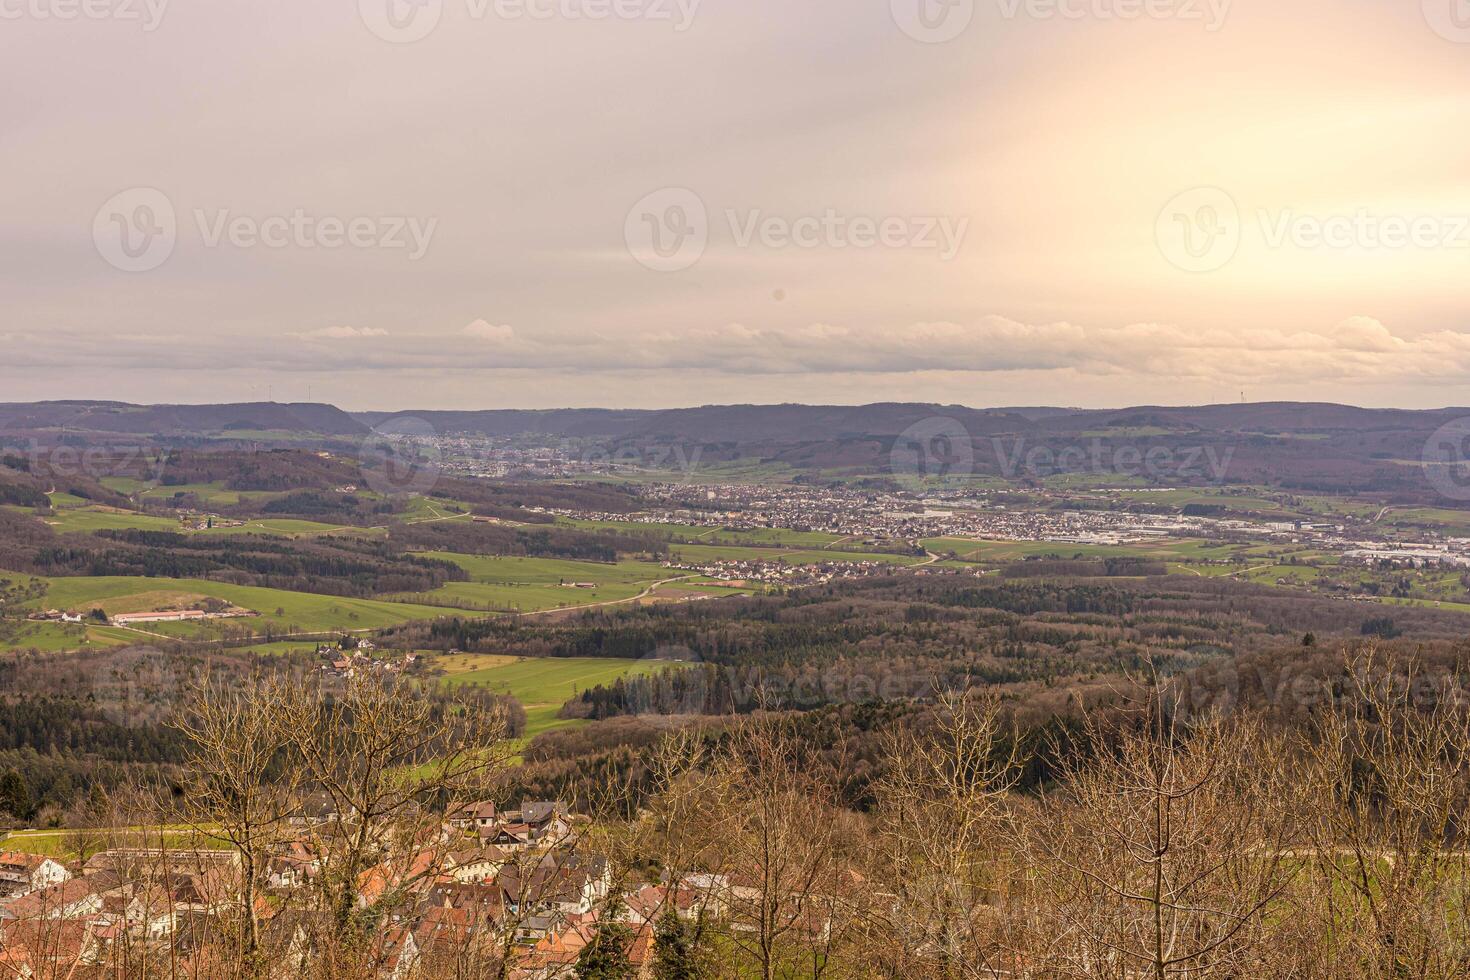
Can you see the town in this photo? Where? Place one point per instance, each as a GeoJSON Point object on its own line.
{"type": "Point", "coordinates": [521, 883]}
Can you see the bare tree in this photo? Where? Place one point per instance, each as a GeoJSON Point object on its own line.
{"type": "Point", "coordinates": [772, 827]}
{"type": "Point", "coordinates": [946, 841]}
{"type": "Point", "coordinates": [389, 761]}
{"type": "Point", "coordinates": [1165, 853]}
{"type": "Point", "coordinates": [1392, 760]}
{"type": "Point", "coordinates": [240, 785]}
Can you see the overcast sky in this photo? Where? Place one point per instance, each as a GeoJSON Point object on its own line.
{"type": "Point", "coordinates": [521, 203]}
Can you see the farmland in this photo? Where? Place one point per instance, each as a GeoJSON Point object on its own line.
{"type": "Point", "coordinates": [542, 685]}
{"type": "Point", "coordinates": [279, 611]}
{"type": "Point", "coordinates": [512, 584]}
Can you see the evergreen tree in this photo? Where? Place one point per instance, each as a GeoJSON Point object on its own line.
{"type": "Point", "coordinates": [606, 956]}
{"type": "Point", "coordinates": [675, 950]}
{"type": "Point", "coordinates": [15, 795]}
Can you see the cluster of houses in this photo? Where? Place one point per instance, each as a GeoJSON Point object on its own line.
{"type": "Point", "coordinates": [55, 616]}
{"type": "Point", "coordinates": [516, 884]}
{"type": "Point", "coordinates": [738, 572]}
{"type": "Point", "coordinates": [359, 661]}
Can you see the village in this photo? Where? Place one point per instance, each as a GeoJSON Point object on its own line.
{"type": "Point", "coordinates": [521, 881]}
{"type": "Point", "coordinates": [738, 572]}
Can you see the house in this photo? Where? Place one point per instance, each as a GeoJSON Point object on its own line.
{"type": "Point", "coordinates": [652, 902]}
{"type": "Point", "coordinates": [555, 954]}
{"type": "Point", "coordinates": [55, 948]}
{"type": "Point", "coordinates": [511, 837]}
{"type": "Point", "coordinates": [398, 953]}
{"type": "Point", "coordinates": [315, 810]}
{"type": "Point", "coordinates": [71, 899]}
{"type": "Point", "coordinates": [293, 867]}
{"type": "Point", "coordinates": [21, 873]}
{"type": "Point", "coordinates": [567, 887]}
{"type": "Point", "coordinates": [484, 900]}
{"type": "Point", "coordinates": [543, 824]}
{"type": "Point", "coordinates": [476, 817]}
{"type": "Point", "coordinates": [476, 864]}
{"type": "Point", "coordinates": [381, 879]}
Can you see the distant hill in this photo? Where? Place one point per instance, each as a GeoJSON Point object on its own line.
{"type": "Point", "coordinates": [177, 420]}
{"type": "Point", "coordinates": [789, 424]}
{"type": "Point", "coordinates": [1304, 447]}
{"type": "Point", "coordinates": [809, 423]}
{"type": "Point", "coordinates": [715, 423]}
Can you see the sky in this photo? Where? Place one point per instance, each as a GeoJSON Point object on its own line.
{"type": "Point", "coordinates": [402, 204]}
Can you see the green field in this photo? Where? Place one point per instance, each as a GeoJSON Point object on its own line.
{"type": "Point", "coordinates": [57, 637]}
{"type": "Point", "coordinates": [78, 518]}
{"type": "Point", "coordinates": [72, 520]}
{"type": "Point", "coordinates": [208, 494]}
{"type": "Point", "coordinates": [298, 611]}
{"type": "Point", "coordinates": [508, 584]}
{"type": "Point", "coordinates": [62, 844]}
{"type": "Point", "coordinates": [543, 685]}
{"type": "Point", "coordinates": [764, 536]}
{"type": "Point", "coordinates": [431, 509]}
{"type": "Point", "coordinates": [292, 528]}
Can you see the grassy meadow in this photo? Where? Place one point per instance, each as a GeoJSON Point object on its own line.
{"type": "Point", "coordinates": [542, 685]}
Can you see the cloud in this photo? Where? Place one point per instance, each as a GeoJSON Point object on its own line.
{"type": "Point", "coordinates": [1357, 349]}
{"type": "Point", "coordinates": [484, 330]}
{"type": "Point", "coordinates": [1141, 358]}
{"type": "Point", "coordinates": [343, 333]}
